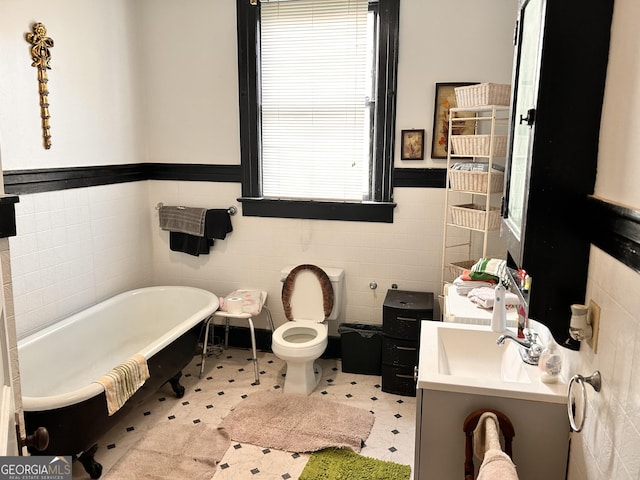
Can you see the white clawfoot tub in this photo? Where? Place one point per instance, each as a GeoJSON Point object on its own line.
{"type": "Point", "coordinates": [59, 364]}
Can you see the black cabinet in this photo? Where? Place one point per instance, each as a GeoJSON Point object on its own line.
{"type": "Point", "coordinates": [402, 313]}
{"type": "Point", "coordinates": [560, 66]}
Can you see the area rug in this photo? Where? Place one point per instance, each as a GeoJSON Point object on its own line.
{"type": "Point", "coordinates": [297, 423]}
{"type": "Point", "coordinates": [332, 464]}
{"type": "Point", "coordinates": [169, 451]}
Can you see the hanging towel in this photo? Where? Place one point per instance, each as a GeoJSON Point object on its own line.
{"type": "Point", "coordinates": [217, 223]}
{"type": "Point", "coordinates": [183, 219]}
{"type": "Point", "coordinates": [123, 381]}
{"type": "Point", "coordinates": [486, 435]}
{"type": "Point", "coordinates": [185, 243]}
{"type": "Point", "coordinates": [496, 465]}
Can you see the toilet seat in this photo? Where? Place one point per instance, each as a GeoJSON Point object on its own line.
{"type": "Point", "coordinates": [325, 285]}
{"type": "Point", "coordinates": [317, 331]}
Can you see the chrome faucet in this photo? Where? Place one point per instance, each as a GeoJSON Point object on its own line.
{"type": "Point", "coordinates": [529, 349]}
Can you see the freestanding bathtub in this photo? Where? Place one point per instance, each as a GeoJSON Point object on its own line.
{"type": "Point", "coordinates": [59, 364]}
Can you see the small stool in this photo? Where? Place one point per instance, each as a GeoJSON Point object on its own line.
{"type": "Point", "coordinates": [249, 317]}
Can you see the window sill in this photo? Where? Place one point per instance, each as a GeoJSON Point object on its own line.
{"type": "Point", "coordinates": [318, 210]}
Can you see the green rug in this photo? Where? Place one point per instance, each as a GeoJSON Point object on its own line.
{"type": "Point", "coordinates": [342, 464]}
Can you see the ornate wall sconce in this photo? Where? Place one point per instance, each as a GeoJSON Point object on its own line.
{"type": "Point", "coordinates": [41, 56]}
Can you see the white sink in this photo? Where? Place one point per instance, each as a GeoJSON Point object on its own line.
{"type": "Point", "coordinates": [466, 358]}
{"type": "Point", "coordinates": [475, 354]}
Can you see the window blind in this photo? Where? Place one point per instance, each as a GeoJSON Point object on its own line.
{"type": "Point", "coordinates": [315, 132]}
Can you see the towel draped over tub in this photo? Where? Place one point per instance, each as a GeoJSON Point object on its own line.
{"type": "Point", "coordinates": [123, 381]}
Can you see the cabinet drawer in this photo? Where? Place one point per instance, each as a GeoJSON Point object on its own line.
{"type": "Point", "coordinates": [398, 380]}
{"type": "Point", "coordinates": [405, 324]}
{"type": "Point", "coordinates": [396, 352]}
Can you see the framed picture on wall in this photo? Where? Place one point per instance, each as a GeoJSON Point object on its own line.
{"type": "Point", "coordinates": [446, 99]}
{"type": "Point", "coordinates": [412, 145]}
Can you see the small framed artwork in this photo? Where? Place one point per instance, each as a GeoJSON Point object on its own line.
{"type": "Point", "coordinates": [446, 99]}
{"type": "Point", "coordinates": [412, 145]}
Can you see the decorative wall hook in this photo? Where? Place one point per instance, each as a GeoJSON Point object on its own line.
{"type": "Point", "coordinates": [41, 56]}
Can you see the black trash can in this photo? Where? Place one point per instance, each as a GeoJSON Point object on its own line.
{"type": "Point", "coordinates": [361, 347]}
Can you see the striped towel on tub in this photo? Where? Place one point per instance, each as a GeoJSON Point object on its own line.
{"type": "Point", "coordinates": [123, 381]}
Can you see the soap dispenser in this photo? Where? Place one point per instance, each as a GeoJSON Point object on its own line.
{"type": "Point", "coordinates": [550, 363]}
{"type": "Point", "coordinates": [499, 316]}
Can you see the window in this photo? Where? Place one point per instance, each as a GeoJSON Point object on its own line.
{"type": "Point", "coordinates": [317, 107]}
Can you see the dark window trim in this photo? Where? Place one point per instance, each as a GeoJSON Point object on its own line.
{"type": "Point", "coordinates": [50, 179]}
{"type": "Point", "coordinates": [420, 177]}
{"type": "Point", "coordinates": [382, 181]}
{"type": "Point", "coordinates": [319, 210]}
{"type": "Point", "coordinates": [613, 228]}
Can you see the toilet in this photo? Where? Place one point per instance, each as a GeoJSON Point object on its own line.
{"type": "Point", "coordinates": [310, 296]}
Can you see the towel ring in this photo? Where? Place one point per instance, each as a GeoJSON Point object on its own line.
{"type": "Point", "coordinates": [595, 380]}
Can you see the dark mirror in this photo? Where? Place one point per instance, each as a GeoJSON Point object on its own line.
{"type": "Point", "coordinates": [558, 85]}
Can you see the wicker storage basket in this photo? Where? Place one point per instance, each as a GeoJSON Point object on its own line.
{"type": "Point", "coordinates": [472, 216]}
{"type": "Point", "coordinates": [483, 94]}
{"type": "Point", "coordinates": [457, 268]}
{"type": "Point", "coordinates": [470, 181]}
{"type": "Point", "coordinates": [479, 145]}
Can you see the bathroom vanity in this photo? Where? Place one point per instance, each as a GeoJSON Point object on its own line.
{"type": "Point", "coordinates": [462, 369]}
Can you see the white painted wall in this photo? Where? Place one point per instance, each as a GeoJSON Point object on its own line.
{"type": "Point", "coordinates": [92, 84]}
{"type": "Point", "coordinates": [184, 55]}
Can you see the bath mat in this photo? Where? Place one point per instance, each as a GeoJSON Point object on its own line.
{"type": "Point", "coordinates": [297, 423]}
{"type": "Point", "coordinates": [334, 463]}
{"type": "Point", "coordinates": [171, 450]}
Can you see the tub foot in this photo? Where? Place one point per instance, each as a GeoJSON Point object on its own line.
{"type": "Point", "coordinates": [93, 468]}
{"type": "Point", "coordinates": [175, 384]}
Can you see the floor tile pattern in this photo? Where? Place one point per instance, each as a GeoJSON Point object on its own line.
{"type": "Point", "coordinates": [228, 378]}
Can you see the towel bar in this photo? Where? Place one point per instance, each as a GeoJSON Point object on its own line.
{"type": "Point", "coordinates": [232, 210]}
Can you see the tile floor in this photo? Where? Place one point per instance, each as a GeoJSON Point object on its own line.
{"type": "Point", "coordinates": [227, 379]}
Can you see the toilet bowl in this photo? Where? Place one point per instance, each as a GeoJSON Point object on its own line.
{"type": "Point", "coordinates": [309, 299]}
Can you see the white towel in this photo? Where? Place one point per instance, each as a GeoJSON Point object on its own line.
{"type": "Point", "coordinates": [463, 287]}
{"type": "Point", "coordinates": [484, 297]}
{"type": "Point", "coordinates": [496, 465]}
{"type": "Point", "coordinates": [123, 381]}
{"type": "Point", "coordinates": [486, 435]}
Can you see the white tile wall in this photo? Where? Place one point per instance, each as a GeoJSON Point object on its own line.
{"type": "Point", "coordinates": [76, 247]}
{"type": "Point", "coordinates": [406, 252]}
{"type": "Point", "coordinates": [608, 447]}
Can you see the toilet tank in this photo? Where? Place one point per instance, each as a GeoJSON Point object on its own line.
{"type": "Point", "coordinates": [336, 275]}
